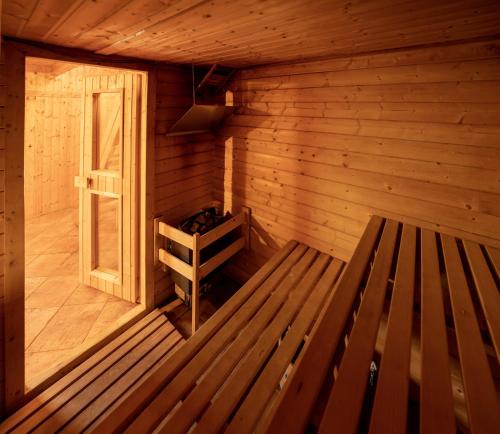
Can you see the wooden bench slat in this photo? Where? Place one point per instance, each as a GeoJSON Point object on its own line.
{"type": "Point", "coordinates": [160, 351]}
{"type": "Point", "coordinates": [494, 255]}
{"type": "Point", "coordinates": [487, 291]}
{"type": "Point", "coordinates": [482, 401]}
{"type": "Point", "coordinates": [302, 388]}
{"type": "Point", "coordinates": [391, 397]}
{"type": "Point", "coordinates": [247, 334]}
{"type": "Point", "coordinates": [436, 404]}
{"type": "Point", "coordinates": [242, 377]}
{"type": "Point", "coordinates": [109, 408]}
{"type": "Point", "coordinates": [344, 405]}
{"type": "Point", "coordinates": [251, 409]}
{"type": "Point", "coordinates": [74, 389]}
{"type": "Point", "coordinates": [112, 374]}
{"type": "Point", "coordinates": [188, 374]}
{"type": "Point", "coordinates": [81, 372]}
{"type": "Point", "coordinates": [134, 401]}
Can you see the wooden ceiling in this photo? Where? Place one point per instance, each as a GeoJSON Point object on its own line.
{"type": "Point", "coordinates": [246, 32]}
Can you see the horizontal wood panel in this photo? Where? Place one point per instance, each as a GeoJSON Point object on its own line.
{"type": "Point", "coordinates": [315, 148]}
{"type": "Point", "coordinates": [218, 31]}
{"type": "Point", "coordinates": [440, 112]}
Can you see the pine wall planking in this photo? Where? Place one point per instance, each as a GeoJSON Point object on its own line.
{"type": "Point", "coordinates": [184, 165]}
{"type": "Point", "coordinates": [52, 140]}
{"type": "Point", "coordinates": [3, 95]}
{"type": "Point", "coordinates": [317, 147]}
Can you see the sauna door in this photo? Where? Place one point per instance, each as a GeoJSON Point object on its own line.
{"type": "Point", "coordinates": [106, 181]}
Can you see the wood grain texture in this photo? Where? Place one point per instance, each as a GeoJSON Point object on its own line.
{"type": "Point", "coordinates": [249, 32]}
{"type": "Point", "coordinates": [436, 413]}
{"type": "Point", "coordinates": [82, 396]}
{"type": "Point", "coordinates": [52, 139]}
{"type": "Point", "coordinates": [3, 95]}
{"type": "Point", "coordinates": [14, 231]}
{"type": "Point", "coordinates": [315, 148]}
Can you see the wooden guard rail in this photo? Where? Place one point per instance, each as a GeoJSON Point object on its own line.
{"type": "Point", "coordinates": [197, 271]}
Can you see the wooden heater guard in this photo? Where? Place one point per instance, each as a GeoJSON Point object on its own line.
{"type": "Point", "coordinates": [196, 243]}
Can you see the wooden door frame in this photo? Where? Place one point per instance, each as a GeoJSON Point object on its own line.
{"type": "Point", "coordinates": [16, 52]}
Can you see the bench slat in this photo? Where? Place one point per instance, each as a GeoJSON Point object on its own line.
{"type": "Point", "coordinates": [161, 350]}
{"type": "Point", "coordinates": [494, 255]}
{"type": "Point", "coordinates": [436, 403]}
{"type": "Point", "coordinates": [92, 392]}
{"type": "Point", "coordinates": [487, 291]}
{"type": "Point", "coordinates": [344, 405]}
{"type": "Point", "coordinates": [300, 391]}
{"type": "Point", "coordinates": [482, 401]}
{"type": "Point", "coordinates": [391, 398]}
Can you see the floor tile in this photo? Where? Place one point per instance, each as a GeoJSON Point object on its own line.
{"type": "Point", "coordinates": [53, 292]}
{"type": "Point", "coordinates": [32, 283]}
{"type": "Point", "coordinates": [35, 321]}
{"type": "Point", "coordinates": [111, 312]}
{"type": "Point", "coordinates": [66, 244]}
{"type": "Point", "coordinates": [47, 265]}
{"type": "Point", "coordinates": [68, 328]}
{"type": "Point", "coordinates": [39, 244]}
{"type": "Point", "coordinates": [43, 361]}
{"type": "Point", "coordinates": [62, 315]}
{"type": "Point", "coordinates": [84, 294]}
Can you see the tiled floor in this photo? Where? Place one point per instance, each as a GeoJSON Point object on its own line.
{"type": "Point", "coordinates": [61, 314]}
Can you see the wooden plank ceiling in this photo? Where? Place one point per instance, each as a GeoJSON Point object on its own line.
{"type": "Point", "coordinates": [246, 32]}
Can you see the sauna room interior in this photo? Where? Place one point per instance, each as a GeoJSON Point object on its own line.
{"type": "Point", "coordinates": [257, 216]}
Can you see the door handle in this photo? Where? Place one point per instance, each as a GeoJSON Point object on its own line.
{"type": "Point", "coordinates": [82, 182]}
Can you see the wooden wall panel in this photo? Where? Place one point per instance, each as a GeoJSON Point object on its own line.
{"type": "Point", "coordinates": [184, 165]}
{"type": "Point", "coordinates": [315, 148]}
{"type": "Point", "coordinates": [253, 32]}
{"type": "Point", "coordinates": [3, 97]}
{"type": "Point", "coordinates": [52, 140]}
{"type": "Point", "coordinates": [13, 239]}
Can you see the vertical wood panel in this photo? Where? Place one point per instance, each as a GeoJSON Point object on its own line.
{"type": "Point", "coordinates": [14, 230]}
{"type": "Point", "coordinates": [3, 97]}
{"type": "Point", "coordinates": [52, 139]}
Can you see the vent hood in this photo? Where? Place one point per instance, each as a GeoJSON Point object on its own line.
{"type": "Point", "coordinates": [202, 117]}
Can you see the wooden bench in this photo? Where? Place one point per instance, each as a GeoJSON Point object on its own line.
{"type": "Point", "coordinates": [453, 286]}
{"type": "Point", "coordinates": [292, 349]}
{"type": "Point", "coordinates": [74, 402]}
